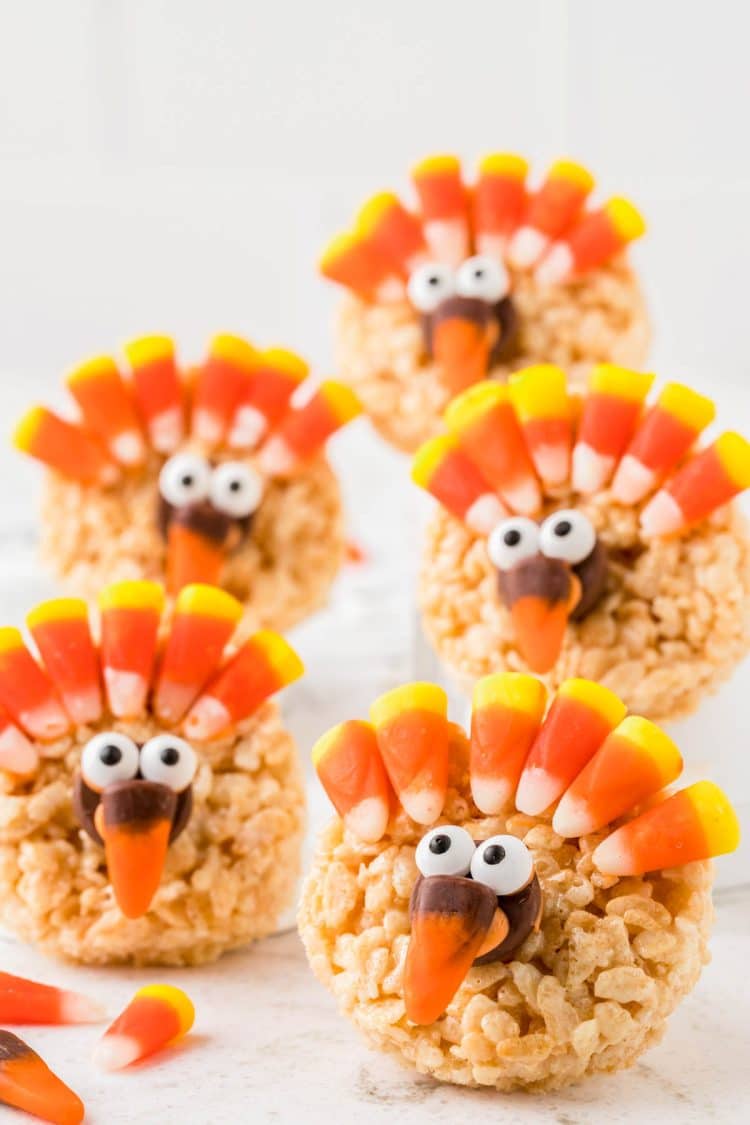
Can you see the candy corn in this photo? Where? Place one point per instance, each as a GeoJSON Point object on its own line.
{"type": "Point", "coordinates": [348, 763]}
{"type": "Point", "coordinates": [204, 620]}
{"type": "Point", "coordinates": [221, 383]}
{"type": "Point", "coordinates": [353, 261]}
{"type": "Point", "coordinates": [582, 714]}
{"type": "Point", "coordinates": [442, 468]}
{"type": "Point", "coordinates": [17, 755]}
{"type": "Point", "coordinates": [444, 204]}
{"type": "Point", "coordinates": [635, 761]}
{"type": "Point", "coordinates": [130, 616]}
{"type": "Point", "coordinates": [304, 431]}
{"type": "Point", "coordinates": [264, 665]}
{"type": "Point", "coordinates": [663, 438]}
{"type": "Point", "coordinates": [540, 594]}
{"type": "Point", "coordinates": [499, 201]}
{"type": "Point", "coordinates": [192, 557]}
{"type": "Point", "coordinates": [61, 631]}
{"type": "Point", "coordinates": [157, 390]}
{"type": "Point", "coordinates": [485, 423]}
{"type": "Point", "coordinates": [266, 396]}
{"type": "Point", "coordinates": [695, 824]}
{"type": "Point", "coordinates": [710, 479]}
{"type": "Point", "coordinates": [595, 238]}
{"type": "Point", "coordinates": [611, 412]}
{"type": "Point", "coordinates": [394, 233]}
{"type": "Point", "coordinates": [134, 819]}
{"type": "Point", "coordinates": [27, 1001]}
{"type": "Point", "coordinates": [506, 712]}
{"type": "Point", "coordinates": [27, 692]}
{"type": "Point", "coordinates": [412, 730]}
{"type": "Point", "coordinates": [540, 397]}
{"type": "Point", "coordinates": [64, 447]}
{"type": "Point", "coordinates": [157, 1016]}
{"type": "Point", "coordinates": [550, 212]}
{"type": "Point", "coordinates": [108, 409]}
{"type": "Point", "coordinates": [27, 1083]}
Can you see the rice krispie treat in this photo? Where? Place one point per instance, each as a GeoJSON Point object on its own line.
{"type": "Point", "coordinates": [585, 536]}
{"type": "Point", "coordinates": [519, 909]}
{"type": "Point", "coordinates": [478, 282]}
{"type": "Point", "coordinates": [214, 475]}
{"type": "Point", "coordinates": [151, 801]}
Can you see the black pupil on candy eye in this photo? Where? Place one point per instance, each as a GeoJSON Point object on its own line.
{"type": "Point", "coordinates": [478, 273]}
{"type": "Point", "coordinates": [433, 279]}
{"type": "Point", "coordinates": [235, 486]}
{"type": "Point", "coordinates": [110, 755]}
{"type": "Point", "coordinates": [187, 480]}
{"type": "Point", "coordinates": [512, 538]}
{"type": "Point", "coordinates": [494, 854]}
{"type": "Point", "coordinates": [440, 844]}
{"type": "Point", "coordinates": [170, 756]}
{"type": "Point", "coordinates": [563, 528]}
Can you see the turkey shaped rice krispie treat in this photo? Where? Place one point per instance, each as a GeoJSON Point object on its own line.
{"type": "Point", "coordinates": [585, 536]}
{"type": "Point", "coordinates": [479, 281]}
{"type": "Point", "coordinates": [521, 908]}
{"type": "Point", "coordinates": [151, 801]}
{"type": "Point", "coordinates": [216, 474]}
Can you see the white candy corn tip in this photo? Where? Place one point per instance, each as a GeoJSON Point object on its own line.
{"type": "Point", "coordinates": [173, 700]}
{"type": "Point", "coordinates": [524, 497]}
{"type": "Point", "coordinates": [165, 430]}
{"type": "Point", "coordinates": [48, 721]}
{"type": "Point", "coordinates": [84, 707]}
{"type": "Point", "coordinates": [537, 790]}
{"type": "Point", "coordinates": [447, 239]}
{"type": "Point", "coordinates": [572, 818]}
{"type": "Point", "coordinates": [492, 245]}
{"type": "Point", "coordinates": [662, 516]}
{"type": "Point", "coordinates": [632, 481]}
{"type": "Point", "coordinates": [248, 428]}
{"type": "Point", "coordinates": [591, 470]}
{"type": "Point", "coordinates": [552, 462]}
{"type": "Point", "coordinates": [612, 858]}
{"type": "Point", "coordinates": [390, 290]}
{"type": "Point", "coordinates": [128, 448]}
{"type": "Point", "coordinates": [126, 692]}
{"type": "Point", "coordinates": [556, 266]}
{"type": "Point", "coordinates": [17, 755]}
{"type": "Point", "coordinates": [207, 427]}
{"type": "Point", "coordinates": [491, 795]}
{"type": "Point", "coordinates": [207, 718]}
{"type": "Point", "coordinates": [526, 247]}
{"type": "Point", "coordinates": [276, 458]}
{"type": "Point", "coordinates": [423, 805]}
{"type": "Point", "coordinates": [114, 1052]}
{"type": "Point", "coordinates": [75, 1008]}
{"type": "Point", "coordinates": [368, 820]}
{"type": "Point", "coordinates": [485, 513]}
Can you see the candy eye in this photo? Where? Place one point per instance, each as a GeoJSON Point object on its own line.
{"type": "Point", "coordinates": [107, 757]}
{"type": "Point", "coordinates": [170, 761]}
{"type": "Point", "coordinates": [446, 850]}
{"type": "Point", "coordinates": [236, 489]}
{"type": "Point", "coordinates": [185, 479]}
{"type": "Point", "coordinates": [502, 863]}
{"type": "Point", "coordinates": [482, 277]}
{"type": "Point", "coordinates": [429, 285]}
{"type": "Point", "coordinates": [567, 535]}
{"type": "Point", "coordinates": [512, 541]}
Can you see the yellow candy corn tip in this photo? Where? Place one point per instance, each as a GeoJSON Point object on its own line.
{"type": "Point", "coordinates": [734, 453]}
{"type": "Point", "coordinates": [132, 595]}
{"type": "Point", "coordinates": [687, 406]}
{"type": "Point", "coordinates": [409, 697]}
{"type": "Point", "coordinates": [429, 457]}
{"type": "Point", "coordinates": [598, 698]}
{"type": "Point", "coordinates": [514, 690]}
{"type": "Point", "coordinates": [657, 744]}
{"type": "Point", "coordinates": [342, 400]}
{"type": "Point", "coordinates": [372, 211]}
{"type": "Point", "coordinates": [92, 369]}
{"type": "Point", "coordinates": [146, 349]}
{"type": "Point", "coordinates": [504, 164]}
{"type": "Point", "coordinates": [290, 363]}
{"type": "Point", "coordinates": [280, 655]}
{"type": "Point", "coordinates": [175, 998]}
{"type": "Point", "coordinates": [208, 600]}
{"type": "Point", "coordinates": [235, 349]}
{"type": "Point", "coordinates": [441, 164]}
{"type": "Point", "coordinates": [540, 392]}
{"type": "Point", "coordinates": [574, 173]}
{"type": "Point", "coordinates": [24, 435]}
{"type": "Point", "coordinates": [716, 815]}
{"type": "Point", "coordinates": [10, 639]}
{"type": "Point", "coordinates": [609, 379]}
{"type": "Point", "coordinates": [58, 609]}
{"type": "Point", "coordinates": [627, 219]}
{"type": "Point", "coordinates": [328, 741]}
{"type": "Point", "coordinates": [340, 245]}
{"type": "Point", "coordinates": [472, 404]}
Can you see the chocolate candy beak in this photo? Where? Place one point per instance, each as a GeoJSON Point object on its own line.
{"type": "Point", "coordinates": [461, 346]}
{"type": "Point", "coordinates": [451, 921]}
{"type": "Point", "coordinates": [541, 594]}
{"type": "Point", "coordinates": [134, 819]}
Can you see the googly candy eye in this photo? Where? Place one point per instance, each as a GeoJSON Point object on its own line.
{"type": "Point", "coordinates": [108, 757]}
{"type": "Point", "coordinates": [185, 479]}
{"type": "Point", "coordinates": [567, 535]}
{"type": "Point", "coordinates": [502, 863]}
{"type": "Point", "coordinates": [482, 277]}
{"type": "Point", "coordinates": [169, 761]}
{"type": "Point", "coordinates": [445, 850]}
{"type": "Point", "coordinates": [429, 285]}
{"type": "Point", "coordinates": [512, 541]}
{"type": "Point", "coordinates": [236, 489]}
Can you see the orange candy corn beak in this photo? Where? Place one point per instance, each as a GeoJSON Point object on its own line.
{"type": "Point", "coordinates": [134, 820]}
{"type": "Point", "coordinates": [27, 1083]}
{"type": "Point", "coordinates": [192, 558]}
{"type": "Point", "coordinates": [450, 921]}
{"type": "Point", "coordinates": [461, 347]}
{"type": "Point", "coordinates": [540, 624]}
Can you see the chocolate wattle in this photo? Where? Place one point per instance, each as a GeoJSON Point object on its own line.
{"type": "Point", "coordinates": [503, 314]}
{"type": "Point", "coordinates": [523, 912]}
{"type": "Point", "coordinates": [592, 574]}
{"type": "Point", "coordinates": [86, 802]}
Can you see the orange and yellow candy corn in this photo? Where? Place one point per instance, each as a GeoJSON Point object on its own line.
{"type": "Point", "coordinates": [611, 412]}
{"type": "Point", "coordinates": [157, 1016]}
{"type": "Point", "coordinates": [27, 1001]}
{"type": "Point", "coordinates": [64, 447]}
{"type": "Point", "coordinates": [593, 240]}
{"type": "Point", "coordinates": [633, 763]}
{"type": "Point", "coordinates": [712, 478]}
{"type": "Point", "coordinates": [27, 692]}
{"type": "Point", "coordinates": [130, 616]}
{"type": "Point", "coordinates": [304, 431]}
{"type": "Point", "coordinates": [353, 261]}
{"type": "Point", "coordinates": [348, 763]}
{"type": "Point", "coordinates": [265, 399]}
{"type": "Point", "coordinates": [204, 619]}
{"type": "Point", "coordinates": [661, 441]}
{"type": "Point", "coordinates": [442, 468]}
{"type": "Point", "coordinates": [157, 390]}
{"type": "Point", "coordinates": [540, 397]}
{"type": "Point", "coordinates": [27, 1083]}
{"type": "Point", "coordinates": [485, 423]}
{"type": "Point", "coordinates": [60, 629]}
{"type": "Point", "coordinates": [411, 726]}
{"type": "Point", "coordinates": [499, 201]}
{"type": "Point", "coordinates": [17, 755]}
{"type": "Point", "coordinates": [393, 232]}
{"type": "Point", "coordinates": [507, 709]}
{"type": "Point", "coordinates": [582, 714]}
{"type": "Point", "coordinates": [221, 383]}
{"type": "Point", "coordinates": [550, 212]}
{"type": "Point", "coordinates": [695, 824]}
{"type": "Point", "coordinates": [107, 409]}
{"type": "Point", "coordinates": [265, 664]}
{"type": "Point", "coordinates": [444, 204]}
